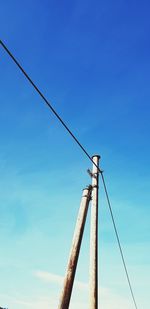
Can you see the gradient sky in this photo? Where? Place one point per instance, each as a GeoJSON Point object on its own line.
{"type": "Point", "coordinates": [91, 60]}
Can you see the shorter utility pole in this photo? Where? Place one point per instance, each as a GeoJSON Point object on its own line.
{"type": "Point", "coordinates": [75, 249]}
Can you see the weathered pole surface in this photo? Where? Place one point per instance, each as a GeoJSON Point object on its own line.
{"type": "Point", "coordinates": [75, 249]}
{"type": "Point", "coordinates": [94, 237]}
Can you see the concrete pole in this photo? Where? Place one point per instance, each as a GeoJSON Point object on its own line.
{"type": "Point", "coordinates": [75, 249]}
{"type": "Point", "coordinates": [94, 237]}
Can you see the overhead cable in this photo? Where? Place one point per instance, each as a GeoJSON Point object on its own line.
{"type": "Point", "coordinates": [118, 240]}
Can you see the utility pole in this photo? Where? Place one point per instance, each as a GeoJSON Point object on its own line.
{"type": "Point", "coordinates": [94, 236]}
{"type": "Point", "coordinates": [75, 249]}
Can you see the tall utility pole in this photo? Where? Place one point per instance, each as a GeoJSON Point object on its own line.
{"type": "Point", "coordinates": [75, 249]}
{"type": "Point", "coordinates": [94, 236]}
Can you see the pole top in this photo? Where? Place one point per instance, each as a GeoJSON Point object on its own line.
{"type": "Point", "coordinates": [96, 155]}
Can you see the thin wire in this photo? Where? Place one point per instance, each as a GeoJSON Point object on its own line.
{"type": "Point", "coordinates": [86, 153]}
{"type": "Point", "coordinates": [118, 240]}
{"type": "Point", "coordinates": [48, 103]}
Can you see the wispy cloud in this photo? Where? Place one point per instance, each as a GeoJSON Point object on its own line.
{"type": "Point", "coordinates": [50, 277]}
{"type": "Point", "coordinates": [108, 298]}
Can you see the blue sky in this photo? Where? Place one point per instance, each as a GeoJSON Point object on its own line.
{"type": "Point", "coordinates": [91, 60]}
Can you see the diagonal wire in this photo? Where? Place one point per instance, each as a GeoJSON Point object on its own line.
{"type": "Point", "coordinates": [47, 103]}
{"type": "Point", "coordinates": [86, 153]}
{"type": "Point", "coordinates": [118, 239]}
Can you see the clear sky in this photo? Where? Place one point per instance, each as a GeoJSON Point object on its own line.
{"type": "Point", "coordinates": [92, 61]}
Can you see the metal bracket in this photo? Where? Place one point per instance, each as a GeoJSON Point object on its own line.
{"type": "Point", "coordinates": [94, 175]}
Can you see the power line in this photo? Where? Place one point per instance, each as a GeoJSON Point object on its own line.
{"type": "Point", "coordinates": [48, 103]}
{"type": "Point", "coordinates": [86, 153]}
{"type": "Point", "coordinates": [118, 239]}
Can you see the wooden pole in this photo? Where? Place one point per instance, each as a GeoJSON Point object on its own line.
{"type": "Point", "coordinates": [75, 249]}
{"type": "Point", "coordinates": [94, 237]}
